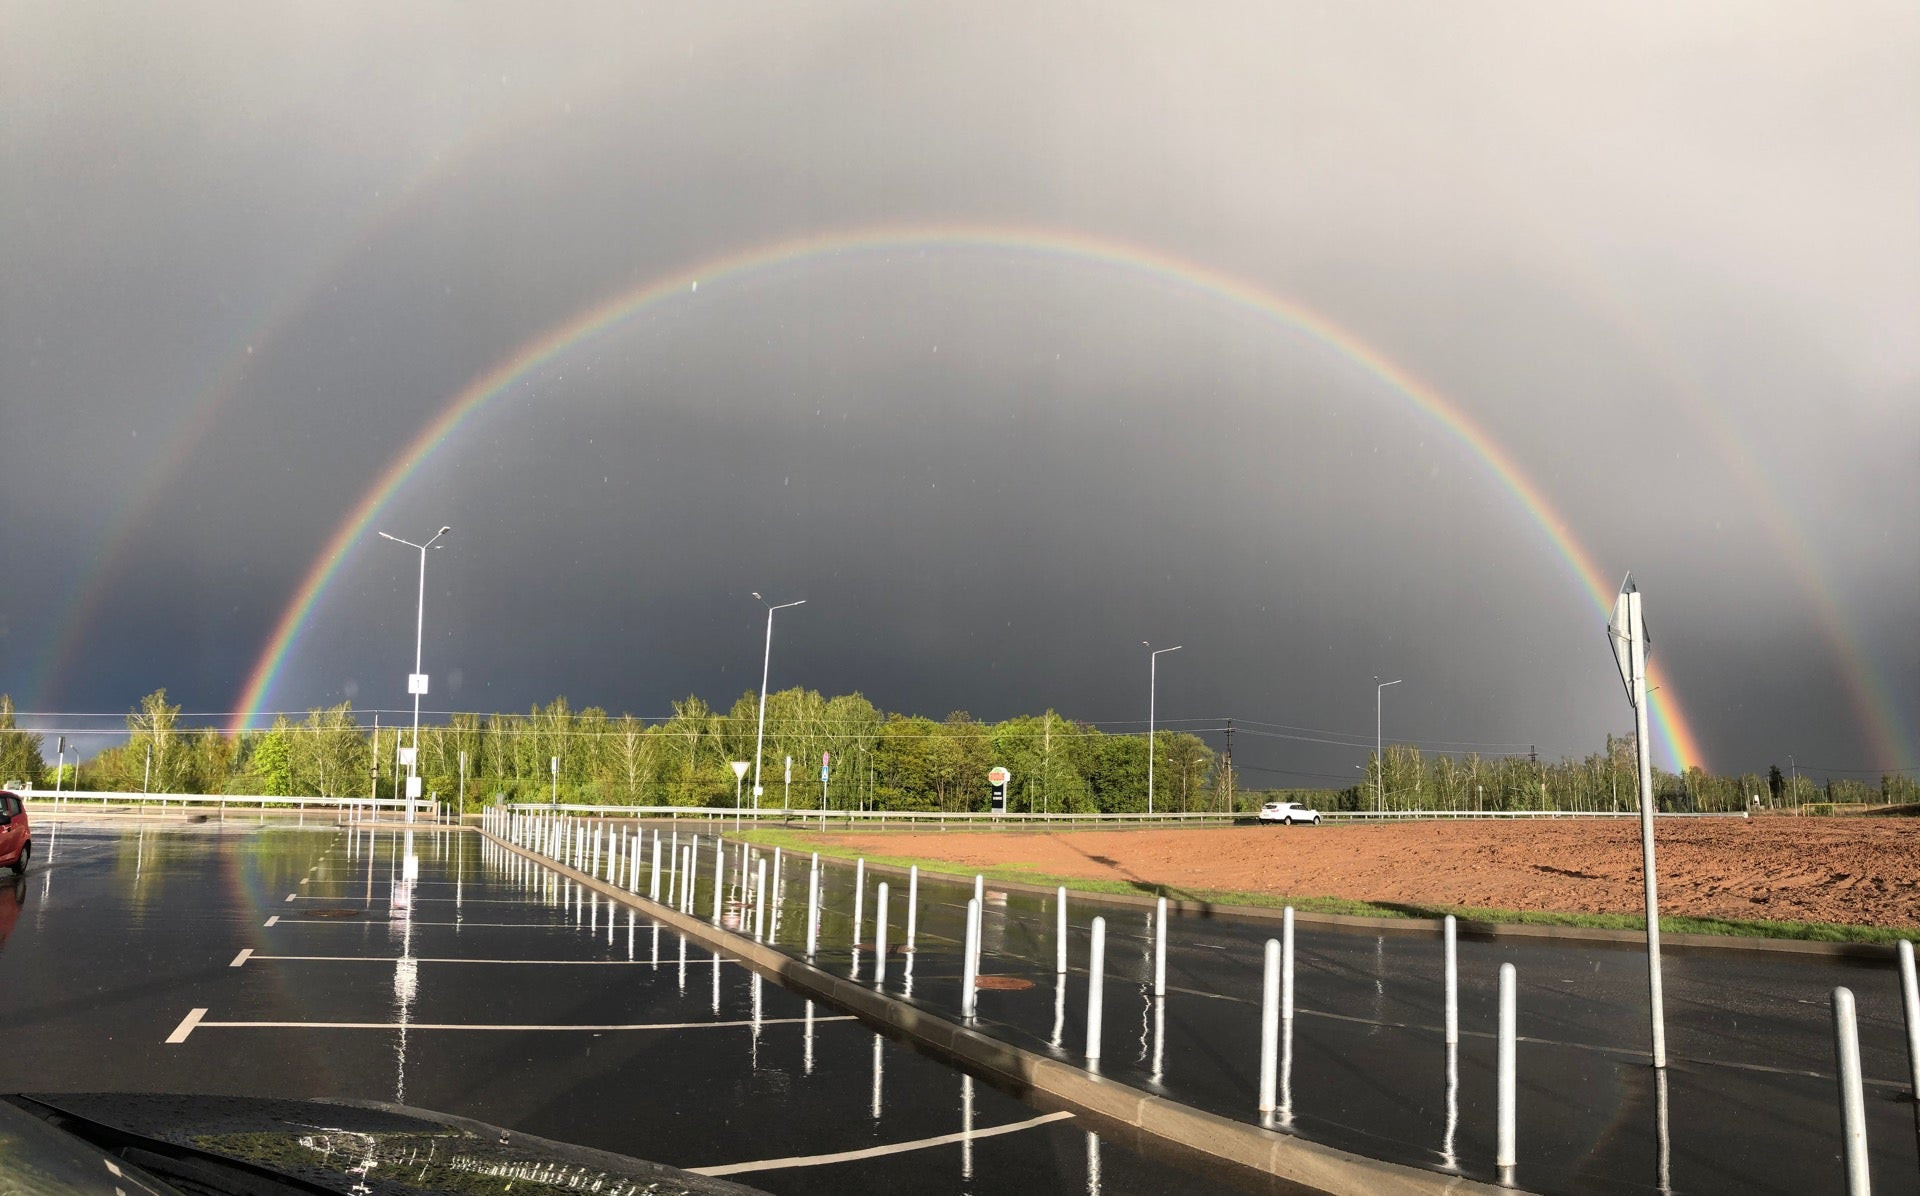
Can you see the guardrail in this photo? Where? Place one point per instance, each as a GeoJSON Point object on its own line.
{"type": "Point", "coordinates": [359, 806]}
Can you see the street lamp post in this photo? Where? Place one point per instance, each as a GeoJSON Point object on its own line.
{"type": "Point", "coordinates": [1379, 753]}
{"type": "Point", "coordinates": [417, 681]}
{"type": "Point", "coordinates": [760, 731]}
{"type": "Point", "coordinates": [1153, 679]}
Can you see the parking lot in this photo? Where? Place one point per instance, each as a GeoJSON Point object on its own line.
{"type": "Point", "coordinates": [271, 960]}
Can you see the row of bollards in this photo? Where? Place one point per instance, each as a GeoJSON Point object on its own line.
{"type": "Point", "coordinates": [565, 838]}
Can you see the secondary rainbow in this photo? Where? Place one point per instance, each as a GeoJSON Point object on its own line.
{"type": "Point", "coordinates": [596, 320]}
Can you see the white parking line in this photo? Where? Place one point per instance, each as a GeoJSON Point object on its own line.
{"type": "Point", "coordinates": [874, 1152]}
{"type": "Point", "coordinates": [241, 958]}
{"type": "Point", "coordinates": [196, 1020]}
{"type": "Point", "coordinates": [271, 921]}
{"type": "Point", "coordinates": [186, 1025]}
{"type": "Point", "coordinates": [291, 896]}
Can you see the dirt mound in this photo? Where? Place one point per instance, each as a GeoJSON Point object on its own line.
{"type": "Point", "coordinates": [1858, 870]}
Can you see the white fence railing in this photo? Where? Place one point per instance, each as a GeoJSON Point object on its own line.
{"type": "Point", "coordinates": [82, 799]}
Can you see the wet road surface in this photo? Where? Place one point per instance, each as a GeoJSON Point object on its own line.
{"type": "Point", "coordinates": [1750, 1098]}
{"type": "Point", "coordinates": [268, 960]}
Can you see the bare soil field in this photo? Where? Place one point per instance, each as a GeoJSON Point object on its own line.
{"type": "Point", "coordinates": [1859, 871]}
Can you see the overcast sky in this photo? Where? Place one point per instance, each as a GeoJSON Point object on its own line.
{"type": "Point", "coordinates": [1666, 256]}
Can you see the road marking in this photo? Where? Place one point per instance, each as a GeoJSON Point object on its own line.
{"type": "Point", "coordinates": [571, 963]}
{"type": "Point", "coordinates": [196, 1021]}
{"type": "Point", "coordinates": [241, 958]}
{"type": "Point", "coordinates": [570, 926]}
{"type": "Point", "coordinates": [272, 920]}
{"type": "Point", "coordinates": [186, 1025]}
{"type": "Point", "coordinates": [291, 896]}
{"type": "Point", "coordinates": [874, 1152]}
{"type": "Point", "coordinates": [303, 880]}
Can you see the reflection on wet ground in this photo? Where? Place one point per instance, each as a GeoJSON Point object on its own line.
{"type": "Point", "coordinates": [1748, 1103]}
{"type": "Point", "coordinates": [305, 962]}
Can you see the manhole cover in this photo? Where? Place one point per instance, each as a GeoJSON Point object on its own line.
{"type": "Point", "coordinates": [333, 913]}
{"type": "Point", "coordinates": [1005, 984]}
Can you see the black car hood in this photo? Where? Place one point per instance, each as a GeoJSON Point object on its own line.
{"type": "Point", "coordinates": [247, 1146]}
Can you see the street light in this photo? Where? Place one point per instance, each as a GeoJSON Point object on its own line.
{"type": "Point", "coordinates": [760, 732]}
{"type": "Point", "coordinates": [417, 680]}
{"type": "Point", "coordinates": [1153, 669]}
{"type": "Point", "coordinates": [1379, 755]}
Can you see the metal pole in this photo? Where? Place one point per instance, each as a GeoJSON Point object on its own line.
{"type": "Point", "coordinates": [1286, 964]}
{"type": "Point", "coordinates": [1910, 1003]}
{"type": "Point", "coordinates": [813, 906]}
{"type": "Point", "coordinates": [1096, 976]}
{"type": "Point", "coordinates": [1160, 948]}
{"type": "Point", "coordinates": [1505, 1153]}
{"type": "Point", "coordinates": [1153, 685]}
{"type": "Point", "coordinates": [859, 897]}
{"type": "Point", "coordinates": [880, 936]}
{"type": "Point", "coordinates": [968, 975]}
{"type": "Point", "coordinates": [1453, 982]}
{"type": "Point", "coordinates": [760, 731]}
{"type": "Point", "coordinates": [1270, 1028]}
{"type": "Point", "coordinates": [760, 901]}
{"type": "Point", "coordinates": [1644, 749]}
{"type": "Point", "coordinates": [419, 633]}
{"type": "Point", "coordinates": [1379, 746]}
{"type": "Point", "coordinates": [1060, 931]}
{"type": "Point", "coordinates": [1853, 1106]}
{"type": "Point", "coordinates": [719, 878]}
{"type": "Point", "coordinates": [913, 904]}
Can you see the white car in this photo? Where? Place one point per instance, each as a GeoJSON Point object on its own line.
{"type": "Point", "coordinates": [1286, 813]}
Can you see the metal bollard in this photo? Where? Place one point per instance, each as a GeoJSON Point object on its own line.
{"type": "Point", "coordinates": [1853, 1105]}
{"type": "Point", "coordinates": [719, 878]}
{"type": "Point", "coordinates": [653, 881]}
{"type": "Point", "coordinates": [1505, 1154]}
{"type": "Point", "coordinates": [760, 901]}
{"type": "Point", "coordinates": [880, 935]}
{"type": "Point", "coordinates": [1270, 1029]}
{"type": "Point", "coordinates": [968, 965]}
{"type": "Point", "coordinates": [1060, 931]}
{"type": "Point", "coordinates": [980, 890]}
{"type": "Point", "coordinates": [1160, 948]}
{"type": "Point", "coordinates": [1453, 981]}
{"type": "Point", "coordinates": [1286, 964]}
{"type": "Point", "coordinates": [1096, 978]}
{"type": "Point", "coordinates": [913, 905]}
{"type": "Point", "coordinates": [813, 908]}
{"type": "Point", "coordinates": [1910, 1002]}
{"type": "Point", "coordinates": [859, 897]}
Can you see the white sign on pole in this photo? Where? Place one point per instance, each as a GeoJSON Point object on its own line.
{"type": "Point", "coordinates": [413, 787]}
{"type": "Point", "coordinates": [1621, 632]}
{"type": "Point", "coordinates": [554, 764]}
{"type": "Point", "coordinates": [406, 757]}
{"type": "Point", "coordinates": [416, 683]}
{"type": "Point", "coordinates": [789, 770]}
{"type": "Point", "coordinates": [740, 769]}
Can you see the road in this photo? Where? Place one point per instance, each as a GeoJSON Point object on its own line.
{"type": "Point", "coordinates": [266, 960]}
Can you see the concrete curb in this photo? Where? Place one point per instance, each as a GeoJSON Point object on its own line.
{"type": "Point", "coordinates": [1297, 1165]}
{"type": "Point", "coordinates": [1466, 927]}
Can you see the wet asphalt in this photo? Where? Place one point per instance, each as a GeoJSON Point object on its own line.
{"type": "Point", "coordinates": [1749, 1098]}
{"type": "Point", "coordinates": [505, 994]}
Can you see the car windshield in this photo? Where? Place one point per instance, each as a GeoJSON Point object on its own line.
{"type": "Point", "coordinates": [418, 421]}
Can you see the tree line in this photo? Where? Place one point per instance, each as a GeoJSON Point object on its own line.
{"type": "Point", "coordinates": [886, 761]}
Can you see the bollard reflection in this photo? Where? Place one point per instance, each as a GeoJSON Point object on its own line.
{"type": "Point", "coordinates": [966, 1126]}
{"type": "Point", "coordinates": [1448, 1159]}
{"type": "Point", "coordinates": [806, 1054]}
{"type": "Point", "coordinates": [1666, 1141]}
{"type": "Point", "coordinates": [877, 1066]}
{"type": "Point", "coordinates": [1093, 1164]}
{"type": "Point", "coordinates": [1285, 1111]}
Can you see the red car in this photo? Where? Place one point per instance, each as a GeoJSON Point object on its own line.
{"type": "Point", "coordinates": [16, 838]}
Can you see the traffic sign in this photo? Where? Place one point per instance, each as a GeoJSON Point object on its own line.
{"type": "Point", "coordinates": [999, 775]}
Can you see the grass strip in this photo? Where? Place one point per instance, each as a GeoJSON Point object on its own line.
{"type": "Point", "coordinates": [1825, 932]}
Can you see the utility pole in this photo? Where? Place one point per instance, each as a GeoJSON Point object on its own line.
{"type": "Point", "coordinates": [1229, 754]}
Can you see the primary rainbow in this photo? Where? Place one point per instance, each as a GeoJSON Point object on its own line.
{"type": "Point", "coordinates": [584, 326]}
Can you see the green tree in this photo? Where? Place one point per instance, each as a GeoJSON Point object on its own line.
{"type": "Point", "coordinates": [20, 758]}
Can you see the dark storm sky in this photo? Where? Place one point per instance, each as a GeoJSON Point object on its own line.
{"type": "Point", "coordinates": [1668, 257]}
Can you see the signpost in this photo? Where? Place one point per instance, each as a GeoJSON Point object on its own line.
{"type": "Point", "coordinates": [999, 778]}
{"type": "Point", "coordinates": [786, 792]}
{"type": "Point", "coordinates": [1627, 633]}
{"type": "Point", "coordinates": [826, 759]}
{"type": "Point", "coordinates": [739, 774]}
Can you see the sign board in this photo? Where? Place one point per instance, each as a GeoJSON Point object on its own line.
{"type": "Point", "coordinates": [554, 764]}
{"type": "Point", "coordinates": [789, 770]}
{"type": "Point", "coordinates": [998, 775]}
{"type": "Point", "coordinates": [823, 774]}
{"type": "Point", "coordinates": [406, 756]}
{"type": "Point", "coordinates": [740, 769]}
{"type": "Point", "coordinates": [999, 799]}
{"type": "Point", "coordinates": [1621, 630]}
{"type": "Point", "coordinates": [416, 683]}
{"type": "Point", "coordinates": [413, 787]}
{"type": "Point", "coordinates": [826, 758]}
